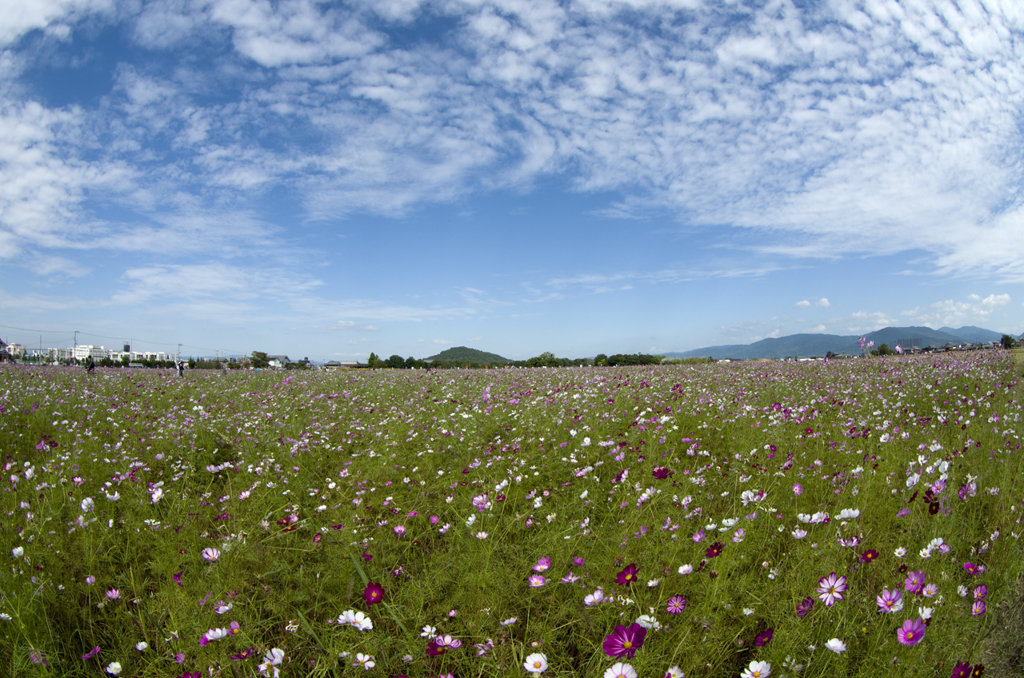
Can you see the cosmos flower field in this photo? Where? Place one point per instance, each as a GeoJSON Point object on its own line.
{"type": "Point", "coordinates": [842, 518]}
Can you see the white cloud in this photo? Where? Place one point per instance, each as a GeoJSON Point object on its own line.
{"type": "Point", "coordinates": [802, 304]}
{"type": "Point", "coordinates": [818, 329]}
{"type": "Point", "coordinates": [21, 16]}
{"type": "Point", "coordinates": [951, 313]}
{"type": "Point", "coordinates": [822, 303]}
{"type": "Point", "coordinates": [843, 127]}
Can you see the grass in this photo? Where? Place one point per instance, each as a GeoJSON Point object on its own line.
{"type": "Point", "coordinates": [120, 481]}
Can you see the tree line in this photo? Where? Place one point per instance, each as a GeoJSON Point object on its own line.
{"type": "Point", "coordinates": [546, 359]}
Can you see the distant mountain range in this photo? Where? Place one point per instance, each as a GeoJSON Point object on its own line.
{"type": "Point", "coordinates": [811, 345]}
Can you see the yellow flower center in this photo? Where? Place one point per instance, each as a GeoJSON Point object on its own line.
{"type": "Point", "coordinates": [627, 645]}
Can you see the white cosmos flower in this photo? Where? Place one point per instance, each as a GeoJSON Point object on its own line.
{"type": "Point", "coordinates": [836, 645]}
{"type": "Point", "coordinates": [536, 663]}
{"type": "Point", "coordinates": [620, 670]}
{"type": "Point", "coordinates": [648, 622]}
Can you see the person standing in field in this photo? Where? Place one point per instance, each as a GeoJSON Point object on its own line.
{"type": "Point", "coordinates": [89, 365]}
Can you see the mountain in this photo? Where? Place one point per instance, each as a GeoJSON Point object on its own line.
{"type": "Point", "coordinates": [812, 345]}
{"type": "Point", "coordinates": [462, 354]}
{"type": "Point", "coordinates": [975, 335]}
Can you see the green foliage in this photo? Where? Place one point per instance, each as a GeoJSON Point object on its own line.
{"type": "Point", "coordinates": [259, 360]}
{"type": "Point", "coordinates": [1007, 341]}
{"type": "Point", "coordinates": [634, 359]}
{"type": "Point", "coordinates": [687, 361]}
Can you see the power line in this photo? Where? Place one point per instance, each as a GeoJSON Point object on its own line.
{"type": "Point", "coordinates": [25, 329]}
{"type": "Point", "coordinates": [121, 339]}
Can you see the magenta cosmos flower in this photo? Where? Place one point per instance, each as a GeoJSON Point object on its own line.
{"type": "Point", "coordinates": [961, 670]}
{"type": "Point", "coordinates": [627, 576]}
{"type": "Point", "coordinates": [373, 594]}
{"type": "Point", "coordinates": [831, 589]}
{"type": "Point", "coordinates": [625, 641]}
{"type": "Point", "coordinates": [804, 607]}
{"type": "Point", "coordinates": [714, 550]}
{"type": "Point", "coordinates": [542, 565]}
{"type": "Point", "coordinates": [676, 604]}
{"type": "Point", "coordinates": [912, 632]}
{"type": "Point", "coordinates": [764, 638]}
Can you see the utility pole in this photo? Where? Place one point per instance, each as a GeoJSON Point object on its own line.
{"type": "Point", "coordinates": [178, 357]}
{"type": "Point", "coordinates": [74, 354]}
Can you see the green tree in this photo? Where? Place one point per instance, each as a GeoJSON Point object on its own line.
{"type": "Point", "coordinates": [1007, 341]}
{"type": "Point", "coordinates": [885, 350]}
{"type": "Point", "coordinates": [258, 359]}
{"type": "Point", "coordinates": [600, 359]}
{"type": "Point", "coordinates": [396, 362]}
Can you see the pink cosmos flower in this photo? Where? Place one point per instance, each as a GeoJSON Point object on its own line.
{"type": "Point", "coordinates": [914, 582]}
{"type": "Point", "coordinates": [912, 632]}
{"type": "Point", "coordinates": [980, 592]}
{"type": "Point", "coordinates": [536, 581]}
{"type": "Point", "coordinates": [978, 608]}
{"type": "Point", "coordinates": [542, 565]}
{"type": "Point", "coordinates": [624, 641]}
{"type": "Point", "coordinates": [890, 601]}
{"type": "Point", "coordinates": [676, 604]}
{"type": "Point", "coordinates": [831, 589]}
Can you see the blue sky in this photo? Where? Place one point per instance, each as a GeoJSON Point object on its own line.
{"type": "Point", "coordinates": [329, 179]}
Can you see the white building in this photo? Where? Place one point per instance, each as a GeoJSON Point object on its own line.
{"type": "Point", "coordinates": [15, 350]}
{"type": "Point", "coordinates": [59, 354]}
{"type": "Point", "coordinates": [83, 351]}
